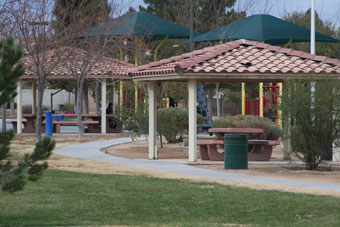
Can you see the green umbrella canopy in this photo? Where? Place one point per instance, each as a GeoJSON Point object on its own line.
{"type": "Point", "coordinates": [141, 24]}
{"type": "Point", "coordinates": [263, 28]}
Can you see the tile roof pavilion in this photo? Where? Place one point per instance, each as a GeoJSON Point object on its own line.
{"type": "Point", "coordinates": [103, 68]}
{"type": "Point", "coordinates": [241, 60]}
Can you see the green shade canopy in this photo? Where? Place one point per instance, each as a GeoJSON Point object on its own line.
{"type": "Point", "coordinates": [262, 28]}
{"type": "Point", "coordinates": [141, 24]}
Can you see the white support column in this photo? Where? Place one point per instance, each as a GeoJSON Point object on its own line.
{"type": "Point", "coordinates": [34, 97]}
{"type": "Point", "coordinates": [19, 108]}
{"type": "Point", "coordinates": [152, 120]}
{"type": "Point", "coordinates": [103, 107]}
{"type": "Point", "coordinates": [192, 121]}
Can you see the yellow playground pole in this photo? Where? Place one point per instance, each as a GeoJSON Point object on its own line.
{"type": "Point", "coordinates": [261, 98]}
{"type": "Point", "coordinates": [279, 111]}
{"type": "Point", "coordinates": [243, 98]}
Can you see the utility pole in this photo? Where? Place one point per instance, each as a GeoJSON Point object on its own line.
{"type": "Point", "coordinates": [312, 30]}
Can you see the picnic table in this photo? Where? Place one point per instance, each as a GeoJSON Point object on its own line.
{"type": "Point", "coordinates": [219, 132]}
{"type": "Point", "coordinates": [259, 150]}
{"type": "Point", "coordinates": [94, 125]}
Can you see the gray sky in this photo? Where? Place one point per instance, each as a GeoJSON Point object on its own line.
{"type": "Point", "coordinates": [327, 9]}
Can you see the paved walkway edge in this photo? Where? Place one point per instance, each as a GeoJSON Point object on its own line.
{"type": "Point", "coordinates": [91, 150]}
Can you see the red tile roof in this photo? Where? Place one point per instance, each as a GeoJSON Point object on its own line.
{"type": "Point", "coordinates": [241, 57]}
{"type": "Point", "coordinates": [103, 67]}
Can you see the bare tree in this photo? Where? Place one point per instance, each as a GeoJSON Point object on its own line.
{"type": "Point", "coordinates": [86, 52]}
{"type": "Point", "coordinates": [32, 23]}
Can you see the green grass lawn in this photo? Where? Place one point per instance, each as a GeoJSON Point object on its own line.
{"type": "Point", "coordinates": [67, 198]}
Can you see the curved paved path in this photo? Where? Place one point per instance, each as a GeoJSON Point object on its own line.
{"type": "Point", "coordinates": [91, 150]}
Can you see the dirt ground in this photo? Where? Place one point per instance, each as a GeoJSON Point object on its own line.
{"type": "Point", "coordinates": [177, 152]}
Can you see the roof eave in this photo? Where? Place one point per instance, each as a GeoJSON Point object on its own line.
{"type": "Point", "coordinates": [228, 77]}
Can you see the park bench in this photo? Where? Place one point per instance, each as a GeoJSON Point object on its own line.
{"type": "Point", "coordinates": [261, 150]}
{"type": "Point", "coordinates": [57, 124]}
{"type": "Point", "coordinates": [208, 150]}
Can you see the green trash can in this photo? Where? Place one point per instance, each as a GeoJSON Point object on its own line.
{"type": "Point", "coordinates": [236, 151]}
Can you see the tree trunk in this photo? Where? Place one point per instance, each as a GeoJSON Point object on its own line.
{"type": "Point", "coordinates": [80, 86]}
{"type": "Point", "coordinates": [4, 107]}
{"type": "Point", "coordinates": [218, 108]}
{"type": "Point", "coordinates": [41, 88]}
{"type": "Point", "coordinates": [86, 98]}
{"type": "Point", "coordinates": [97, 97]}
{"type": "Point", "coordinates": [12, 108]}
{"type": "Point", "coordinates": [161, 139]}
{"type": "Point", "coordinates": [114, 97]}
{"type": "Point", "coordinates": [222, 114]}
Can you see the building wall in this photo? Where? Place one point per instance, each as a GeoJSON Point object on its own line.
{"type": "Point", "coordinates": [61, 98]}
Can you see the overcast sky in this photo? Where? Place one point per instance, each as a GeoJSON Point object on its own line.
{"type": "Point", "coordinates": [327, 9]}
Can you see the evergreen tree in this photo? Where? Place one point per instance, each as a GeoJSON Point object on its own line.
{"type": "Point", "coordinates": [92, 11]}
{"type": "Point", "coordinates": [325, 27]}
{"type": "Point", "coordinates": [13, 178]}
{"type": "Point", "coordinates": [10, 54]}
{"type": "Point", "coordinates": [208, 14]}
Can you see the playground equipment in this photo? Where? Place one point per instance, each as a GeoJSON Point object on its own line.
{"type": "Point", "coordinates": [202, 104]}
{"type": "Point", "coordinates": [263, 103]}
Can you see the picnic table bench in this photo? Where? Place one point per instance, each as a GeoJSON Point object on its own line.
{"type": "Point", "coordinates": [57, 124]}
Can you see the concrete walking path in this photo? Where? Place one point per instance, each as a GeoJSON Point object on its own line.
{"type": "Point", "coordinates": [91, 150]}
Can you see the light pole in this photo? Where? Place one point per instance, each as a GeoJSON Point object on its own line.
{"type": "Point", "coordinates": [312, 30]}
{"type": "Point", "coordinates": [191, 26]}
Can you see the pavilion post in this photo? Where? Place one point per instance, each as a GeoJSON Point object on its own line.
{"type": "Point", "coordinates": [192, 121]}
{"type": "Point", "coordinates": [34, 97]}
{"type": "Point", "coordinates": [103, 109]}
{"type": "Point", "coordinates": [261, 99]}
{"type": "Point", "coordinates": [286, 128]}
{"type": "Point", "coordinates": [243, 98]}
{"type": "Point", "coordinates": [19, 108]}
{"type": "Point", "coordinates": [152, 120]}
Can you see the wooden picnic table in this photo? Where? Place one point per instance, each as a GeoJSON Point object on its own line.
{"type": "Point", "coordinates": [29, 124]}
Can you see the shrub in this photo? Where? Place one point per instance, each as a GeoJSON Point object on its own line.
{"type": "Point", "coordinates": [174, 121]}
{"type": "Point", "coordinates": [68, 107]}
{"type": "Point", "coordinates": [171, 122]}
{"type": "Point", "coordinates": [315, 125]}
{"type": "Point", "coordinates": [270, 130]}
